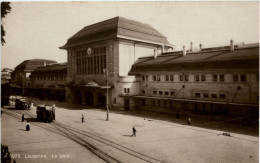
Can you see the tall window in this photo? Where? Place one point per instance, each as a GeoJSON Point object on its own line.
{"type": "Point", "coordinates": [197, 78]}
{"type": "Point", "coordinates": [171, 78]}
{"type": "Point", "coordinates": [243, 78]}
{"type": "Point", "coordinates": [215, 77]}
{"type": "Point", "coordinates": [203, 77]}
{"type": "Point", "coordinates": [167, 78]}
{"type": "Point", "coordinates": [221, 77]}
{"type": "Point", "coordinates": [235, 77]}
{"type": "Point", "coordinates": [91, 63]}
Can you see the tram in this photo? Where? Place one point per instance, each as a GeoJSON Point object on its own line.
{"type": "Point", "coordinates": [45, 113]}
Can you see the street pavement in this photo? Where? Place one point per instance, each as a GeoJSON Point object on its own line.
{"type": "Point", "coordinates": [158, 139]}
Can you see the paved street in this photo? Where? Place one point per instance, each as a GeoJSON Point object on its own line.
{"type": "Point", "coordinates": [156, 140]}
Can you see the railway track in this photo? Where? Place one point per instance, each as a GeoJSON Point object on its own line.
{"type": "Point", "coordinates": [80, 136]}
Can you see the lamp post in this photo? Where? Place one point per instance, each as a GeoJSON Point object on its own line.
{"type": "Point", "coordinates": [106, 76]}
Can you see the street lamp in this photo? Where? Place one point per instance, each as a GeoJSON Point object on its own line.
{"type": "Point", "coordinates": [106, 76]}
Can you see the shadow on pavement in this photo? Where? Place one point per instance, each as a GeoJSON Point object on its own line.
{"type": "Point", "coordinates": [23, 129]}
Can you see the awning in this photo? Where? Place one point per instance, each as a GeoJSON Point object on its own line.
{"type": "Point", "coordinates": [191, 100]}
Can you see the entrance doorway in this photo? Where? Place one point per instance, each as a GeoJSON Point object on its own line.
{"type": "Point", "coordinates": [127, 104]}
{"type": "Point", "coordinates": [101, 100]}
{"type": "Point", "coordinates": [89, 98]}
{"type": "Point", "coordinates": [78, 97]}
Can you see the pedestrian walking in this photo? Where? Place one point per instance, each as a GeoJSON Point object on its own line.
{"type": "Point", "coordinates": [134, 131]}
{"type": "Point", "coordinates": [189, 121]}
{"type": "Point", "coordinates": [28, 126]}
{"type": "Point", "coordinates": [23, 118]}
{"type": "Point", "coordinates": [82, 118]}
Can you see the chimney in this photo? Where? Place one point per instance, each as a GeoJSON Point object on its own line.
{"type": "Point", "coordinates": [231, 45]}
{"type": "Point", "coordinates": [44, 64]}
{"type": "Point", "coordinates": [200, 46]}
{"type": "Point", "coordinates": [184, 51]}
{"type": "Point", "coordinates": [155, 53]}
{"type": "Point", "coordinates": [191, 47]}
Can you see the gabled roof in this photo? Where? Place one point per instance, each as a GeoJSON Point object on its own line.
{"type": "Point", "coordinates": [117, 27]}
{"type": "Point", "coordinates": [247, 57]}
{"type": "Point", "coordinates": [30, 65]}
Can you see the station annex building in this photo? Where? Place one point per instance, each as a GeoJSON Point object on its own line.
{"type": "Point", "coordinates": [219, 81]}
{"type": "Point", "coordinates": [144, 74]}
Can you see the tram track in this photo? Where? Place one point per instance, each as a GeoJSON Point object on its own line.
{"type": "Point", "coordinates": [77, 136]}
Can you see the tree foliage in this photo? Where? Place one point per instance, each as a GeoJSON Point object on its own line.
{"type": "Point", "coordinates": [5, 9]}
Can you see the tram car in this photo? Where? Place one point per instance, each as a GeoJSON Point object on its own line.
{"type": "Point", "coordinates": [45, 113]}
{"type": "Point", "coordinates": [21, 104]}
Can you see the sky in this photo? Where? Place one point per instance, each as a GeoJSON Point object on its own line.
{"type": "Point", "coordinates": [36, 30]}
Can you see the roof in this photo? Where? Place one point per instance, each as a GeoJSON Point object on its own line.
{"type": "Point", "coordinates": [216, 59]}
{"type": "Point", "coordinates": [30, 65]}
{"type": "Point", "coordinates": [117, 27]}
{"type": "Point", "coordinates": [60, 68]}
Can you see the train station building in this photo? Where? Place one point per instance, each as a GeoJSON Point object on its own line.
{"type": "Point", "coordinates": [100, 57]}
{"type": "Point", "coordinates": [216, 81]}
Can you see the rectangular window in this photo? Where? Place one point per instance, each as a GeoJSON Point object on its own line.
{"type": "Point", "coordinates": [221, 77]}
{"type": "Point", "coordinates": [155, 92]}
{"type": "Point", "coordinates": [171, 78]}
{"type": "Point", "coordinates": [222, 96]}
{"type": "Point", "coordinates": [197, 94]}
{"type": "Point", "coordinates": [213, 95]}
{"type": "Point", "coordinates": [143, 91]}
{"type": "Point", "coordinates": [172, 93]}
{"type": "Point", "coordinates": [205, 95]}
{"type": "Point", "coordinates": [166, 93]}
{"type": "Point", "coordinates": [181, 77]}
{"type": "Point", "coordinates": [167, 78]}
{"type": "Point", "coordinates": [215, 77]}
{"type": "Point", "coordinates": [154, 78]}
{"type": "Point", "coordinates": [203, 77]}
{"type": "Point", "coordinates": [146, 78]}
{"type": "Point", "coordinates": [186, 77]}
{"type": "Point", "coordinates": [160, 92]}
{"type": "Point", "coordinates": [243, 78]}
{"type": "Point", "coordinates": [197, 78]}
{"type": "Point", "coordinates": [235, 78]}
{"type": "Point", "coordinates": [158, 78]}
{"type": "Point", "coordinates": [126, 90]}
{"type": "Point", "coordinates": [142, 78]}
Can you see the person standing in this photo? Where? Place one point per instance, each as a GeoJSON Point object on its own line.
{"type": "Point", "coordinates": [134, 131]}
{"type": "Point", "coordinates": [189, 121]}
{"type": "Point", "coordinates": [23, 118]}
{"type": "Point", "coordinates": [28, 126]}
{"type": "Point", "coordinates": [82, 118]}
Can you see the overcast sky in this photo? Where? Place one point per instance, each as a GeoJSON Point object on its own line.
{"type": "Point", "coordinates": [38, 29]}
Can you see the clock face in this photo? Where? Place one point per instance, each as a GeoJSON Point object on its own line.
{"type": "Point", "coordinates": [89, 51]}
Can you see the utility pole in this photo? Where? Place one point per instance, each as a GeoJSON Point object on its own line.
{"type": "Point", "coordinates": [107, 107]}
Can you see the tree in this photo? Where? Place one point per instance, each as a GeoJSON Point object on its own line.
{"type": "Point", "coordinates": [5, 9]}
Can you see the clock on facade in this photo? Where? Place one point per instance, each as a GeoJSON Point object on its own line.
{"type": "Point", "coordinates": [89, 50]}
